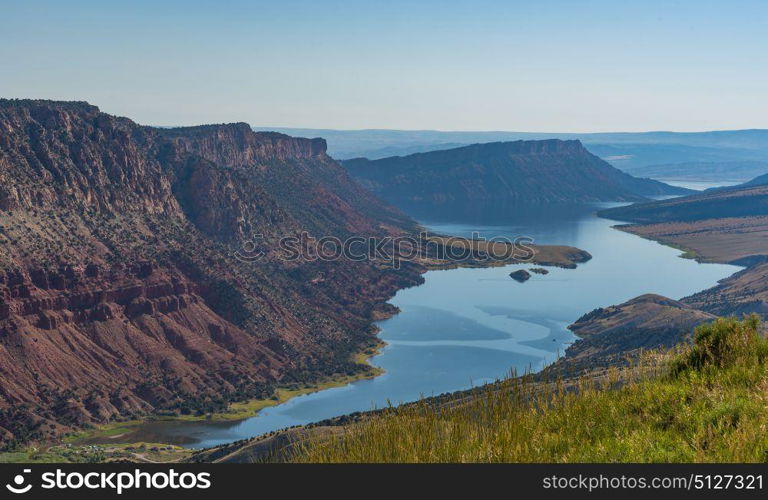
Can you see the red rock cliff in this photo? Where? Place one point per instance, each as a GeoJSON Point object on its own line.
{"type": "Point", "coordinates": [120, 288]}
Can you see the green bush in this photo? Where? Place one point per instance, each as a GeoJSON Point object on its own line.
{"type": "Point", "coordinates": [723, 343]}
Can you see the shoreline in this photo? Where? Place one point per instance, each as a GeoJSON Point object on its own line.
{"type": "Point", "coordinates": [116, 435]}
{"type": "Point", "coordinates": [112, 436]}
{"type": "Point", "coordinates": [269, 442]}
{"type": "Point", "coordinates": [110, 433]}
{"type": "Point", "coordinates": [544, 255]}
{"type": "Point", "coordinates": [687, 253]}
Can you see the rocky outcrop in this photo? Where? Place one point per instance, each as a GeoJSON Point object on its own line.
{"type": "Point", "coordinates": [236, 145]}
{"type": "Point", "coordinates": [519, 172]}
{"type": "Point", "coordinates": [122, 346]}
{"type": "Point", "coordinates": [521, 275]}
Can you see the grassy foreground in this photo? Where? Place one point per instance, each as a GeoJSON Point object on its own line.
{"type": "Point", "coordinates": [705, 402]}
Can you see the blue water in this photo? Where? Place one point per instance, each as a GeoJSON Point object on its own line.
{"type": "Point", "coordinates": [700, 185]}
{"type": "Point", "coordinates": [466, 327]}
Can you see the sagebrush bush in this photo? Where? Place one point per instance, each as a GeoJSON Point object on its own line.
{"type": "Point", "coordinates": [724, 342]}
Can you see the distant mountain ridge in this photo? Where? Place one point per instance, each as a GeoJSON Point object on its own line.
{"type": "Point", "coordinates": [760, 180]}
{"type": "Point", "coordinates": [714, 156]}
{"type": "Point", "coordinates": [722, 171]}
{"type": "Point", "coordinates": [346, 144]}
{"type": "Point", "coordinates": [736, 201]}
{"type": "Point", "coordinates": [522, 172]}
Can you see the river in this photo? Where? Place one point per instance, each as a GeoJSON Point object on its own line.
{"type": "Point", "coordinates": [465, 327]}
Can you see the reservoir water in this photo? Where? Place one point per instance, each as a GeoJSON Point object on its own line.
{"type": "Point", "coordinates": [466, 327]}
{"type": "Point", "coordinates": [699, 185]}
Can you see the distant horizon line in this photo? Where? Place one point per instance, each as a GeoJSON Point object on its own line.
{"type": "Point", "coordinates": [386, 129]}
{"type": "Point", "coordinates": [266, 128]}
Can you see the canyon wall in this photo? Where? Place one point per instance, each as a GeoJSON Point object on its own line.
{"type": "Point", "coordinates": [123, 287]}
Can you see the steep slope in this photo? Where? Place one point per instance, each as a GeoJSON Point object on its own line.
{"type": "Point", "coordinates": [760, 180]}
{"type": "Point", "coordinates": [611, 334]}
{"type": "Point", "coordinates": [127, 277]}
{"type": "Point", "coordinates": [739, 201]}
{"type": "Point", "coordinates": [521, 172]}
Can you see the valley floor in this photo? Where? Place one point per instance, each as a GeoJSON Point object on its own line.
{"type": "Point", "coordinates": [726, 240]}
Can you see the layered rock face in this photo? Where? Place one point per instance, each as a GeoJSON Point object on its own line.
{"type": "Point", "coordinates": [123, 287]}
{"type": "Point", "coordinates": [519, 172]}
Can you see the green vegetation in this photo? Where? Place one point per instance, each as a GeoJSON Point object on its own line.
{"type": "Point", "coordinates": [704, 402]}
{"type": "Point", "coordinates": [68, 453]}
{"type": "Point", "coordinates": [124, 432]}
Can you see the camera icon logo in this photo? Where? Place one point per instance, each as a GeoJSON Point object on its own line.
{"type": "Point", "coordinates": [18, 483]}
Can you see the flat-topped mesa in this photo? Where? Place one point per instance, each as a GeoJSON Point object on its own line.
{"type": "Point", "coordinates": [518, 173]}
{"type": "Point", "coordinates": [226, 179]}
{"type": "Point", "coordinates": [200, 139]}
{"type": "Point", "coordinates": [236, 144]}
{"type": "Point", "coordinates": [48, 106]}
{"type": "Point", "coordinates": [71, 154]}
{"type": "Point", "coordinates": [528, 147]}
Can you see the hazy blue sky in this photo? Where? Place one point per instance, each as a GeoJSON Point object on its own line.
{"type": "Point", "coordinates": [537, 65]}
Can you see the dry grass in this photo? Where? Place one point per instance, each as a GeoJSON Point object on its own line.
{"type": "Point", "coordinates": [710, 240]}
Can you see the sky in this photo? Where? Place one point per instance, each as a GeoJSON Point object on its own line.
{"type": "Point", "coordinates": [536, 65]}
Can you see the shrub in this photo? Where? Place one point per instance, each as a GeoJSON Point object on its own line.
{"type": "Point", "coordinates": [723, 343]}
